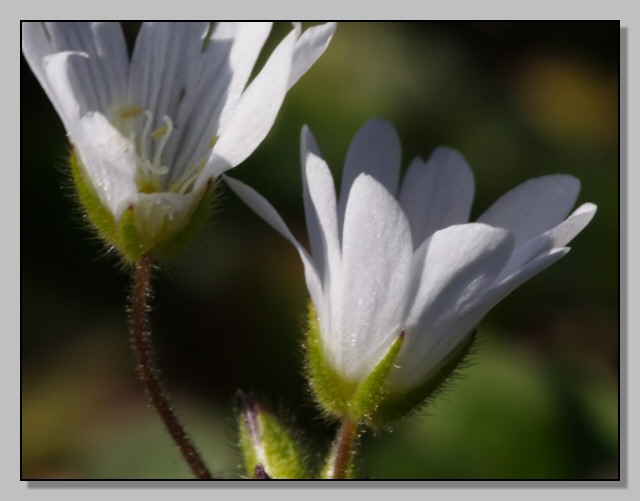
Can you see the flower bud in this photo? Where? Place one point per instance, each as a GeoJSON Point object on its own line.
{"type": "Point", "coordinates": [269, 448]}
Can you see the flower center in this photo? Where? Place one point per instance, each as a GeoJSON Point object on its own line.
{"type": "Point", "coordinates": [151, 175]}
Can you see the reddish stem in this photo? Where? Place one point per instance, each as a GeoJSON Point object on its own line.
{"type": "Point", "coordinates": [141, 334]}
{"type": "Point", "coordinates": [343, 450]}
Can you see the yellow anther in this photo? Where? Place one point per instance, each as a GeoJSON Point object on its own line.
{"type": "Point", "coordinates": [159, 132]}
{"type": "Point", "coordinates": [131, 111]}
{"type": "Point", "coordinates": [213, 141]}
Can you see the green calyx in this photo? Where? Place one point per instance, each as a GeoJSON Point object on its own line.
{"type": "Point", "coordinates": [267, 445]}
{"type": "Point", "coordinates": [171, 245]}
{"type": "Point", "coordinates": [126, 235]}
{"type": "Point", "coordinates": [357, 401]}
{"type": "Point", "coordinates": [399, 404]}
{"type": "Point", "coordinates": [373, 401]}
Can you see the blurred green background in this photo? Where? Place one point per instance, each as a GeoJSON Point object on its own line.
{"type": "Point", "coordinates": [518, 99]}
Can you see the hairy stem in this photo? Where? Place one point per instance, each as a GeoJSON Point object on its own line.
{"type": "Point", "coordinates": [141, 334]}
{"type": "Point", "coordinates": [343, 451]}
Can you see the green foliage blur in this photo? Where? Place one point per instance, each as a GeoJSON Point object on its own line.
{"type": "Point", "coordinates": [541, 398]}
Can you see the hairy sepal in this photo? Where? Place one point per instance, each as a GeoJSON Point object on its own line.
{"type": "Point", "coordinates": [338, 397]}
{"type": "Point", "coordinates": [398, 404]}
{"type": "Point", "coordinates": [124, 235]}
{"type": "Point", "coordinates": [267, 444]}
{"type": "Point", "coordinates": [373, 401]}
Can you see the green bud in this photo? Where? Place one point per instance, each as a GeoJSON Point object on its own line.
{"type": "Point", "coordinates": [269, 449]}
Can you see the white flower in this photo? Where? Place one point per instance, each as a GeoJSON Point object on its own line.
{"type": "Point", "coordinates": [389, 259]}
{"type": "Point", "coordinates": [152, 130]}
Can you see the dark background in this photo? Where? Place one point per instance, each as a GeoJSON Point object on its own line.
{"type": "Point", "coordinates": [518, 99]}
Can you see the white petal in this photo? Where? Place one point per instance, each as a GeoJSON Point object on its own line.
{"type": "Point", "coordinates": [320, 210]}
{"type": "Point", "coordinates": [71, 38]}
{"type": "Point", "coordinates": [453, 265]}
{"type": "Point", "coordinates": [376, 262]}
{"type": "Point", "coordinates": [166, 57]}
{"type": "Point", "coordinates": [534, 206]}
{"type": "Point", "coordinates": [36, 46]}
{"type": "Point", "coordinates": [65, 72]}
{"type": "Point", "coordinates": [256, 111]}
{"type": "Point", "coordinates": [375, 150]}
{"type": "Point", "coordinates": [320, 199]}
{"type": "Point", "coordinates": [146, 51]}
{"type": "Point", "coordinates": [178, 68]}
{"type": "Point", "coordinates": [503, 287]}
{"type": "Point", "coordinates": [104, 73]}
{"type": "Point", "coordinates": [566, 231]}
{"type": "Point", "coordinates": [450, 330]}
{"type": "Point", "coordinates": [113, 57]}
{"type": "Point", "coordinates": [99, 78]}
{"type": "Point", "coordinates": [314, 231]}
{"type": "Point", "coordinates": [556, 237]}
{"type": "Point", "coordinates": [265, 210]}
{"type": "Point", "coordinates": [147, 64]}
{"type": "Point", "coordinates": [309, 48]}
{"type": "Point", "coordinates": [217, 83]}
{"type": "Point", "coordinates": [243, 43]}
{"type": "Point", "coordinates": [437, 194]}
{"type": "Point", "coordinates": [109, 160]}
{"type": "Point", "coordinates": [171, 55]}
{"type": "Point", "coordinates": [451, 269]}
{"type": "Point", "coordinates": [308, 144]}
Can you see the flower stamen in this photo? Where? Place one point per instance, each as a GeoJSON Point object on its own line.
{"type": "Point", "coordinates": [162, 134]}
{"type": "Point", "coordinates": [188, 177]}
{"type": "Point", "coordinates": [151, 170]}
{"type": "Point", "coordinates": [148, 120]}
{"type": "Point", "coordinates": [131, 111]}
